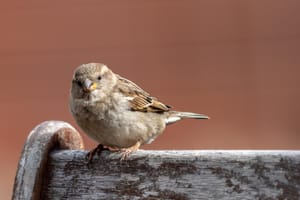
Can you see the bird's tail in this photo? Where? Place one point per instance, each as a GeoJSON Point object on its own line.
{"type": "Point", "coordinates": [176, 116]}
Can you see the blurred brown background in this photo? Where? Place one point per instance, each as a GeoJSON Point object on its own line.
{"type": "Point", "coordinates": [236, 61]}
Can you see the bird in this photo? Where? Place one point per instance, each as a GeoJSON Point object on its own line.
{"type": "Point", "coordinates": [116, 112]}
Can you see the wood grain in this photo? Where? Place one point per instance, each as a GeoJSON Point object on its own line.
{"type": "Point", "coordinates": [53, 166]}
{"type": "Point", "coordinates": [175, 175]}
{"type": "Point", "coordinates": [32, 166]}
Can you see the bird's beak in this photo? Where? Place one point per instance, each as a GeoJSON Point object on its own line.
{"type": "Point", "coordinates": [89, 86]}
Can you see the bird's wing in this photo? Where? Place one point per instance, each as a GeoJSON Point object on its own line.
{"type": "Point", "coordinates": [139, 99]}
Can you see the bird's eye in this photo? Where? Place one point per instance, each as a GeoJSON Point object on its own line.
{"type": "Point", "coordinates": [79, 83]}
{"type": "Point", "coordinates": [99, 78]}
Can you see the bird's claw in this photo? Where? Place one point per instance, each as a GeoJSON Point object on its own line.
{"type": "Point", "coordinates": [90, 155]}
{"type": "Point", "coordinates": [125, 152]}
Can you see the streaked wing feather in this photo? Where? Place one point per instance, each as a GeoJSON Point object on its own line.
{"type": "Point", "coordinates": [130, 87]}
{"type": "Point", "coordinates": [141, 101]}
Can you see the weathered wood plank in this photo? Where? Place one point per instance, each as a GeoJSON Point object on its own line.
{"type": "Point", "coordinates": [46, 171]}
{"type": "Point", "coordinates": [32, 165]}
{"type": "Point", "coordinates": [175, 175]}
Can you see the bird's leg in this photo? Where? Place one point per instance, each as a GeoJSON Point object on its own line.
{"type": "Point", "coordinates": [125, 152]}
{"type": "Point", "coordinates": [93, 152]}
{"type": "Point", "coordinates": [113, 149]}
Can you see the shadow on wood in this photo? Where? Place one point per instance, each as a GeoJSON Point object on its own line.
{"type": "Point", "coordinates": [46, 171]}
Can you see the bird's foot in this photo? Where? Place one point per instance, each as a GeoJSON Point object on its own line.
{"type": "Point", "coordinates": [90, 155]}
{"type": "Point", "coordinates": [113, 149]}
{"type": "Point", "coordinates": [125, 152]}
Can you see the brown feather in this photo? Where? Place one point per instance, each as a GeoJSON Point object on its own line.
{"type": "Point", "coordinates": [142, 101]}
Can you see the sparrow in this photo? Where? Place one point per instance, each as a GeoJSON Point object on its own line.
{"type": "Point", "coordinates": [116, 112]}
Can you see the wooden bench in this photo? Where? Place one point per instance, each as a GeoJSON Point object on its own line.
{"type": "Point", "coordinates": [53, 166]}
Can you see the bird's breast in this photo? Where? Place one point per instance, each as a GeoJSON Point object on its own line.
{"type": "Point", "coordinates": [114, 124]}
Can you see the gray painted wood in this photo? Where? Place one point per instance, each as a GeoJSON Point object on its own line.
{"type": "Point", "coordinates": [32, 166]}
{"type": "Point", "coordinates": [53, 166]}
{"type": "Point", "coordinates": [175, 175]}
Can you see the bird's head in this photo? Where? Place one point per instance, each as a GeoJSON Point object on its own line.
{"type": "Point", "coordinates": [92, 81]}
